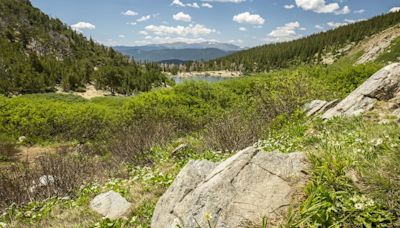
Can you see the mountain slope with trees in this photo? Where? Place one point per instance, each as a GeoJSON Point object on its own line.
{"type": "Point", "coordinates": [307, 50]}
{"type": "Point", "coordinates": [39, 53]}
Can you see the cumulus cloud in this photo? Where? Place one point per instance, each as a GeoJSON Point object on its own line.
{"type": "Point", "coordinates": [320, 6]}
{"type": "Point", "coordinates": [181, 16]}
{"type": "Point", "coordinates": [291, 6]}
{"type": "Point", "coordinates": [336, 24]}
{"type": "Point", "coordinates": [225, 1]}
{"type": "Point", "coordinates": [207, 5]}
{"type": "Point", "coordinates": [394, 9]}
{"type": "Point", "coordinates": [247, 18]}
{"type": "Point", "coordinates": [121, 36]}
{"type": "Point", "coordinates": [144, 33]}
{"type": "Point", "coordinates": [177, 3]}
{"type": "Point", "coordinates": [346, 22]}
{"type": "Point", "coordinates": [144, 18]}
{"type": "Point", "coordinates": [193, 30]}
{"type": "Point", "coordinates": [242, 29]}
{"type": "Point", "coordinates": [319, 27]}
{"type": "Point", "coordinates": [80, 26]}
{"type": "Point", "coordinates": [129, 13]}
{"type": "Point", "coordinates": [360, 11]}
{"type": "Point", "coordinates": [193, 5]}
{"type": "Point", "coordinates": [285, 33]}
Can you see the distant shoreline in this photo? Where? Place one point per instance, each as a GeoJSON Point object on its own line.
{"type": "Point", "coordinates": [221, 73]}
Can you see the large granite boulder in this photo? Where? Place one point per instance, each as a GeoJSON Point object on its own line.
{"type": "Point", "coordinates": [111, 205]}
{"type": "Point", "coordinates": [240, 191]}
{"type": "Point", "coordinates": [382, 86]}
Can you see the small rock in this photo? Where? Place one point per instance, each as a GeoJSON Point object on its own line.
{"type": "Point", "coordinates": [22, 139]}
{"type": "Point", "coordinates": [46, 180]}
{"type": "Point", "coordinates": [178, 149]}
{"type": "Point", "coordinates": [111, 205]}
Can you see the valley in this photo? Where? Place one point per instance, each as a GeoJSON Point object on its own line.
{"type": "Point", "coordinates": [198, 133]}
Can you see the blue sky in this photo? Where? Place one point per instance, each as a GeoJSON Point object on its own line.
{"type": "Point", "coordinates": [242, 22]}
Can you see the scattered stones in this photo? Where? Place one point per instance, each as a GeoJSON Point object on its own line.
{"type": "Point", "coordinates": [235, 193]}
{"type": "Point", "coordinates": [111, 205]}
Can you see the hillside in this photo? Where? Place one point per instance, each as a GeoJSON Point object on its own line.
{"type": "Point", "coordinates": [307, 50]}
{"type": "Point", "coordinates": [39, 52]}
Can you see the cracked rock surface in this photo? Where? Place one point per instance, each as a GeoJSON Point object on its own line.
{"type": "Point", "coordinates": [383, 86]}
{"type": "Point", "coordinates": [237, 192]}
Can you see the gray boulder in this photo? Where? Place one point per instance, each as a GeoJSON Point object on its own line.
{"type": "Point", "coordinates": [111, 205]}
{"type": "Point", "coordinates": [382, 86]}
{"type": "Point", "coordinates": [237, 192]}
{"type": "Point", "coordinates": [317, 107]}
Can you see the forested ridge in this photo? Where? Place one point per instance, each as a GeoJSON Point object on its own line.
{"type": "Point", "coordinates": [39, 53]}
{"type": "Point", "coordinates": [307, 50]}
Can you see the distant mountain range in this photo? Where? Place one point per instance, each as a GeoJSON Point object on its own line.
{"type": "Point", "coordinates": [179, 52]}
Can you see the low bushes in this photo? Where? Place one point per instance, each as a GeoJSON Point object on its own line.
{"type": "Point", "coordinates": [132, 143]}
{"type": "Point", "coordinates": [50, 175]}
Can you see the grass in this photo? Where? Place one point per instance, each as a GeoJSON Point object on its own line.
{"type": "Point", "coordinates": [392, 54]}
{"type": "Point", "coordinates": [342, 190]}
{"type": "Point", "coordinates": [142, 187]}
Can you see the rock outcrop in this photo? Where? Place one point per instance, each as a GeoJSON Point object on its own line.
{"type": "Point", "coordinates": [383, 86]}
{"type": "Point", "coordinates": [239, 191]}
{"type": "Point", "coordinates": [317, 107]}
{"type": "Point", "coordinates": [110, 204]}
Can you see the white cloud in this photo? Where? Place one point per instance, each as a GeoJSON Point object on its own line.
{"type": "Point", "coordinates": [207, 5]}
{"type": "Point", "coordinates": [242, 29]}
{"type": "Point", "coordinates": [319, 27]}
{"type": "Point", "coordinates": [177, 3]}
{"type": "Point", "coordinates": [129, 13]}
{"type": "Point", "coordinates": [83, 26]}
{"type": "Point", "coordinates": [394, 9]}
{"type": "Point", "coordinates": [320, 6]}
{"type": "Point", "coordinates": [194, 30]}
{"type": "Point", "coordinates": [285, 33]}
{"type": "Point", "coordinates": [132, 23]}
{"type": "Point", "coordinates": [360, 11]}
{"type": "Point", "coordinates": [291, 6]}
{"type": "Point", "coordinates": [181, 16]}
{"type": "Point", "coordinates": [193, 5]}
{"type": "Point", "coordinates": [336, 24]}
{"type": "Point", "coordinates": [121, 36]}
{"type": "Point", "coordinates": [239, 41]}
{"type": "Point", "coordinates": [247, 18]}
{"type": "Point", "coordinates": [144, 18]}
{"type": "Point", "coordinates": [346, 22]}
{"type": "Point", "coordinates": [144, 33]}
{"type": "Point", "coordinates": [225, 1]}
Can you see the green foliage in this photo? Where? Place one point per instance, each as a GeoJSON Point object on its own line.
{"type": "Point", "coordinates": [338, 150]}
{"type": "Point", "coordinates": [392, 54]}
{"type": "Point", "coordinates": [189, 106]}
{"type": "Point", "coordinates": [39, 53]}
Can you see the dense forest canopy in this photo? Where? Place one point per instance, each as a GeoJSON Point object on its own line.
{"type": "Point", "coordinates": [39, 53]}
{"type": "Point", "coordinates": [307, 50]}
